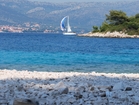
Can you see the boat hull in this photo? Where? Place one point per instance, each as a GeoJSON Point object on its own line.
{"type": "Point", "coordinates": [69, 33]}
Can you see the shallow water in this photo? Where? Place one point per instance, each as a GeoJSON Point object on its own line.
{"type": "Point", "coordinates": [56, 52]}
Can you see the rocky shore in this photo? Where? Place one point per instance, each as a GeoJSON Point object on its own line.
{"type": "Point", "coordinates": [68, 88]}
{"type": "Point", "coordinates": [109, 35]}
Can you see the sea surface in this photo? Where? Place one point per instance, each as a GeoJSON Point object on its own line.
{"type": "Point", "coordinates": [59, 53]}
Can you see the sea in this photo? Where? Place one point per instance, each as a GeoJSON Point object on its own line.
{"type": "Point", "coordinates": [54, 52]}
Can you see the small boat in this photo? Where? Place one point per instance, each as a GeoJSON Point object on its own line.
{"type": "Point", "coordinates": [65, 26]}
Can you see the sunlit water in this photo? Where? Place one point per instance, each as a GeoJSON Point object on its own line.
{"type": "Point", "coordinates": [56, 52]}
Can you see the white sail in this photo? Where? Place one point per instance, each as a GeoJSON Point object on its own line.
{"type": "Point", "coordinates": [68, 25]}
{"type": "Point", "coordinates": [66, 29]}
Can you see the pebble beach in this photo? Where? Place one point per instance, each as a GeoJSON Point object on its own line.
{"type": "Point", "coordinates": [68, 88]}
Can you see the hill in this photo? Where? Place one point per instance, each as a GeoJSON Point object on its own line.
{"type": "Point", "coordinates": [82, 15]}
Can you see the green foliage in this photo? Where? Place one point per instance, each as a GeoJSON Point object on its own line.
{"type": "Point", "coordinates": [104, 27]}
{"type": "Point", "coordinates": [137, 15]}
{"type": "Point", "coordinates": [119, 21]}
{"type": "Point", "coordinates": [133, 25]}
{"type": "Point", "coordinates": [116, 17]}
{"type": "Point", "coordinates": [95, 29]}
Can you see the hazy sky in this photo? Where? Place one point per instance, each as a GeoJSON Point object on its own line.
{"type": "Point", "coordinates": [80, 0]}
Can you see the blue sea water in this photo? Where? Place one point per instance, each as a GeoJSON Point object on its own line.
{"type": "Point", "coordinates": [57, 53]}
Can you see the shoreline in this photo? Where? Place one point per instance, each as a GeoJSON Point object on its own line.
{"type": "Point", "coordinates": [69, 88]}
{"type": "Point", "coordinates": [109, 35]}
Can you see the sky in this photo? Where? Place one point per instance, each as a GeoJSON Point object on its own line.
{"type": "Point", "coordinates": [58, 1]}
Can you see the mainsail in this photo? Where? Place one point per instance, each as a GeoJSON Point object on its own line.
{"type": "Point", "coordinates": [68, 25]}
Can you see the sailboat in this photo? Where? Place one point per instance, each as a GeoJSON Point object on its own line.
{"type": "Point", "coordinates": [65, 26]}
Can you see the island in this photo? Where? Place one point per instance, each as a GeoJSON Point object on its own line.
{"type": "Point", "coordinates": [117, 25]}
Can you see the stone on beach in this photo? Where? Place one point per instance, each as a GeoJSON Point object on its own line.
{"type": "Point", "coordinates": [25, 102]}
{"type": "Point", "coordinates": [119, 86]}
{"type": "Point", "coordinates": [61, 88]}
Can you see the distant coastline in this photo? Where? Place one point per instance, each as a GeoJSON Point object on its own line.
{"type": "Point", "coordinates": [109, 35]}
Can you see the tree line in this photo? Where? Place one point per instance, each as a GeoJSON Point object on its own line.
{"type": "Point", "coordinates": [120, 22]}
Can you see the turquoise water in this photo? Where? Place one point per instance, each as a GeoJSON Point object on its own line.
{"type": "Point", "coordinates": [56, 52]}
